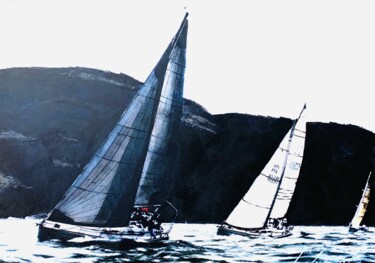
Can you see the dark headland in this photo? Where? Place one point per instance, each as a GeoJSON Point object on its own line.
{"type": "Point", "coordinates": [52, 120]}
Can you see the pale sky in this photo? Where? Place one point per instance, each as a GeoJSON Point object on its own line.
{"type": "Point", "coordinates": [255, 57]}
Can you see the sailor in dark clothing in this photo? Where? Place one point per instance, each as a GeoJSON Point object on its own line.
{"type": "Point", "coordinates": [154, 225]}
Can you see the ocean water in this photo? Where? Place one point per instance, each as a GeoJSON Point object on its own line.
{"type": "Point", "coordinates": [192, 243]}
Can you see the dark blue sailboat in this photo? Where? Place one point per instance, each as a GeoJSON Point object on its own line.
{"type": "Point", "coordinates": [118, 194]}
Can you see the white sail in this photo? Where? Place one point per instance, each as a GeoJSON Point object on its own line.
{"type": "Point", "coordinates": [269, 189]}
{"type": "Point", "coordinates": [292, 170]}
{"type": "Point", "coordinates": [362, 207]}
{"type": "Point", "coordinates": [253, 210]}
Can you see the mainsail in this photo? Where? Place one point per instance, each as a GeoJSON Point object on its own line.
{"type": "Point", "coordinates": [254, 210]}
{"type": "Point", "coordinates": [104, 193]}
{"type": "Point", "coordinates": [362, 207]}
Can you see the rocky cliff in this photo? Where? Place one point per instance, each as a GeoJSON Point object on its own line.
{"type": "Point", "coordinates": [53, 120]}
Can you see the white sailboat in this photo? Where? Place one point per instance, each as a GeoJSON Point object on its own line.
{"type": "Point", "coordinates": [262, 211]}
{"type": "Point", "coordinates": [119, 193]}
{"type": "Point", "coordinates": [355, 224]}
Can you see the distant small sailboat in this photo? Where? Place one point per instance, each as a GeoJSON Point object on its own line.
{"type": "Point", "coordinates": [355, 224]}
{"type": "Point", "coordinates": [262, 211]}
{"type": "Point", "coordinates": [119, 193]}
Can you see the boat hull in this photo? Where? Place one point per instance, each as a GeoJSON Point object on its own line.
{"type": "Point", "coordinates": [49, 230]}
{"type": "Point", "coordinates": [254, 233]}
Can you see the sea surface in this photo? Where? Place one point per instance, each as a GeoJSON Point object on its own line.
{"type": "Point", "coordinates": [192, 243]}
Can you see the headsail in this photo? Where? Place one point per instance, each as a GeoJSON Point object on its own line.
{"type": "Point", "coordinates": [253, 211]}
{"type": "Point", "coordinates": [362, 207]}
{"type": "Point", "coordinates": [104, 193]}
{"type": "Point", "coordinates": [163, 152]}
{"type": "Point", "coordinates": [292, 169]}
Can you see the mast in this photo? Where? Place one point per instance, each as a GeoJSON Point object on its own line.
{"type": "Point", "coordinates": [285, 162]}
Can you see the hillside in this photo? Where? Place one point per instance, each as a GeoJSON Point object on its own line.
{"type": "Point", "coordinates": [52, 120]}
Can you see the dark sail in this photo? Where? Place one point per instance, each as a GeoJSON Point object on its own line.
{"type": "Point", "coordinates": [104, 193]}
{"type": "Point", "coordinates": [163, 152]}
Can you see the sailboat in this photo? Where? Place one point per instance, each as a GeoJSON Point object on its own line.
{"type": "Point", "coordinates": [262, 210]}
{"type": "Point", "coordinates": [119, 194]}
{"type": "Point", "coordinates": [355, 224]}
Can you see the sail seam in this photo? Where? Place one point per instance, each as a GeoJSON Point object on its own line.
{"type": "Point", "coordinates": [266, 207]}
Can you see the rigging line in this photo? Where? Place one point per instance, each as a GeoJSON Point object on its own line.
{"type": "Point", "coordinates": [181, 50]}
{"type": "Point", "coordinates": [110, 160]}
{"type": "Point", "coordinates": [157, 153]}
{"type": "Point", "coordinates": [130, 128]}
{"type": "Point", "coordinates": [301, 131]}
{"type": "Point", "coordinates": [154, 174]}
{"type": "Point", "coordinates": [296, 156]}
{"type": "Point", "coordinates": [299, 136]}
{"type": "Point", "coordinates": [171, 115]}
{"type": "Point", "coordinates": [175, 72]}
{"type": "Point", "coordinates": [255, 204]}
{"type": "Point", "coordinates": [283, 149]}
{"type": "Point", "coordinates": [291, 178]}
{"type": "Point", "coordinates": [91, 191]}
{"type": "Point", "coordinates": [176, 214]}
{"type": "Point", "coordinates": [173, 100]}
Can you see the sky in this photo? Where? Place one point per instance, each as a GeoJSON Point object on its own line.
{"type": "Point", "coordinates": [254, 57]}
